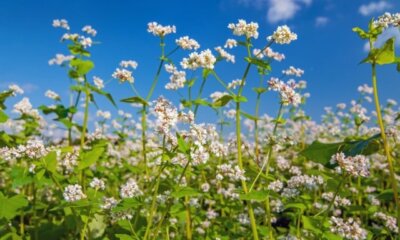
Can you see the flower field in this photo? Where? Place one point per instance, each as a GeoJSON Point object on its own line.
{"type": "Point", "coordinates": [157, 172]}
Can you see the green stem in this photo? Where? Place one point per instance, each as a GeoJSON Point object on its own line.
{"type": "Point", "coordinates": [203, 82]}
{"type": "Point", "coordinates": [239, 146]}
{"type": "Point", "coordinates": [154, 199]}
{"type": "Point", "coordinates": [83, 232]}
{"type": "Point", "coordinates": [386, 144]}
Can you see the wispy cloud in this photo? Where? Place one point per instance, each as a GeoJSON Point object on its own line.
{"type": "Point", "coordinates": [321, 21]}
{"type": "Point", "coordinates": [373, 8]}
{"type": "Point", "coordinates": [277, 10]}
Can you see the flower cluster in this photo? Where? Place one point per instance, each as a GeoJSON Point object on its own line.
{"type": "Point", "coordinates": [387, 20]}
{"type": "Point", "coordinates": [167, 114]}
{"type": "Point", "coordinates": [225, 55]}
{"type": "Point", "coordinates": [187, 43]}
{"type": "Point", "coordinates": [349, 229]}
{"type": "Point", "coordinates": [231, 172]}
{"type": "Point", "coordinates": [204, 59]}
{"type": "Point", "coordinates": [283, 35]}
{"type": "Point", "coordinates": [52, 95]}
{"type": "Point", "coordinates": [250, 30]}
{"type": "Point", "coordinates": [356, 166]}
{"type": "Point", "coordinates": [130, 189]}
{"type": "Point", "coordinates": [73, 193]}
{"type": "Point", "coordinates": [389, 221]}
{"type": "Point", "coordinates": [159, 30]}
{"type": "Point", "coordinates": [177, 79]}
{"type": "Point", "coordinates": [293, 71]}
{"type": "Point", "coordinates": [286, 91]}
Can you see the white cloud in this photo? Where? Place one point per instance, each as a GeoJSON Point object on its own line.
{"type": "Point", "coordinates": [277, 10]}
{"type": "Point", "coordinates": [321, 21]}
{"type": "Point", "coordinates": [282, 10]}
{"type": "Point", "coordinates": [373, 8]}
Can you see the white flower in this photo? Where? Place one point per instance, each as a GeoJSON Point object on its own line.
{"type": "Point", "coordinates": [123, 75]}
{"type": "Point", "coordinates": [356, 166]}
{"type": "Point", "coordinates": [61, 23]}
{"type": "Point", "coordinates": [159, 30]}
{"type": "Point", "coordinates": [25, 107]}
{"type": "Point", "coordinates": [98, 82]}
{"type": "Point", "coordinates": [52, 95]}
{"type": "Point", "coordinates": [60, 59]}
{"type": "Point", "coordinates": [16, 89]}
{"type": "Point", "coordinates": [283, 35]}
{"type": "Point", "coordinates": [103, 114]}
{"type": "Point", "coordinates": [109, 203]}
{"type": "Point", "coordinates": [89, 30]}
{"type": "Point", "coordinates": [387, 20]}
{"type": "Point", "coordinates": [187, 43]}
{"type": "Point", "coordinates": [244, 28]}
{"type": "Point", "coordinates": [128, 63]}
{"type": "Point", "coordinates": [349, 229]}
{"type": "Point", "coordinates": [130, 189]}
{"type": "Point", "coordinates": [73, 193]}
{"type": "Point", "coordinates": [204, 59]}
{"type": "Point", "coordinates": [224, 54]}
{"type": "Point", "coordinates": [274, 55]}
{"type": "Point", "coordinates": [230, 43]}
{"type": "Point", "coordinates": [293, 71]}
{"type": "Point", "coordinates": [86, 42]}
{"type": "Point", "coordinates": [97, 184]}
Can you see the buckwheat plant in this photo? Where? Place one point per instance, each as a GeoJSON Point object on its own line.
{"type": "Point", "coordinates": [74, 169]}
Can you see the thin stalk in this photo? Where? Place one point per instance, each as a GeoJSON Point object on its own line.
{"type": "Point", "coordinates": [386, 144]}
{"type": "Point", "coordinates": [268, 160]}
{"type": "Point", "coordinates": [239, 146]}
{"type": "Point", "coordinates": [85, 226]}
{"type": "Point", "coordinates": [203, 82]}
{"type": "Point", "coordinates": [154, 199]}
{"type": "Point", "coordinates": [148, 97]}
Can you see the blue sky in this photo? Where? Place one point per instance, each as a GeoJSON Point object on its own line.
{"type": "Point", "coordinates": [326, 48]}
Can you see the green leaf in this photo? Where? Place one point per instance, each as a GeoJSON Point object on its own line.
{"type": "Point", "coordinates": [311, 224]}
{"type": "Point", "coordinates": [81, 67]}
{"type": "Point", "coordinates": [78, 49]}
{"type": "Point", "coordinates": [321, 152]}
{"type": "Point", "coordinates": [201, 102]}
{"type": "Point", "coordinates": [386, 54]}
{"type": "Point", "coordinates": [185, 192]}
{"type": "Point", "coordinates": [258, 196]}
{"type": "Point", "coordinates": [124, 237]}
{"type": "Point", "coordinates": [3, 116]}
{"type": "Point", "coordinates": [135, 99]}
{"type": "Point", "coordinates": [366, 146]}
{"type": "Point", "coordinates": [183, 146]}
{"type": "Point", "coordinates": [361, 33]}
{"type": "Point", "coordinates": [9, 207]}
{"type": "Point", "coordinates": [3, 97]}
{"type": "Point", "coordinates": [249, 116]}
{"type": "Point", "coordinates": [222, 101]}
{"type": "Point", "coordinates": [104, 93]}
{"type": "Point", "coordinates": [90, 157]}
{"type": "Point", "coordinates": [206, 72]}
{"type": "Point", "coordinates": [259, 62]}
{"type": "Point", "coordinates": [260, 90]}
{"type": "Point", "coordinates": [239, 99]}
{"type": "Point", "coordinates": [383, 55]}
{"type": "Point", "coordinates": [51, 162]}
{"type": "Point", "coordinates": [301, 206]}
